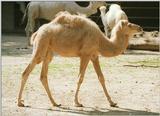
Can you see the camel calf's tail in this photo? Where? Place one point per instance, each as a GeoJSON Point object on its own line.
{"type": "Point", "coordinates": [33, 38]}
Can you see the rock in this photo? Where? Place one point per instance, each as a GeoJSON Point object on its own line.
{"type": "Point", "coordinates": [155, 34]}
{"type": "Point", "coordinates": [139, 35]}
{"type": "Point", "coordinates": [145, 41]}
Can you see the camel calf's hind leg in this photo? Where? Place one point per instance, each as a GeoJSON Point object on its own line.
{"type": "Point", "coordinates": [102, 80]}
{"type": "Point", "coordinates": [43, 77]}
{"type": "Point", "coordinates": [83, 64]}
{"type": "Point", "coordinates": [24, 79]}
{"type": "Point", "coordinates": [38, 56]}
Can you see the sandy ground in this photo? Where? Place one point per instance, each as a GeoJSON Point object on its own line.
{"type": "Point", "coordinates": [132, 79]}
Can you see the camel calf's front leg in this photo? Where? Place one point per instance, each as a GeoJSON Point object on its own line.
{"type": "Point", "coordinates": [44, 80]}
{"type": "Point", "coordinates": [83, 65]}
{"type": "Point", "coordinates": [97, 68]}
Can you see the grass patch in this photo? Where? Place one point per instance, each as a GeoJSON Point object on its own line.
{"type": "Point", "coordinates": [60, 66]}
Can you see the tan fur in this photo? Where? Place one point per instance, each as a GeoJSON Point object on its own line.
{"type": "Point", "coordinates": [71, 35]}
{"type": "Point", "coordinates": [68, 21]}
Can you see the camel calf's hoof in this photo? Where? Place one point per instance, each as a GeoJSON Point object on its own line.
{"type": "Point", "coordinates": [78, 105]}
{"type": "Point", "coordinates": [20, 104]}
{"type": "Point", "coordinates": [113, 105]}
{"type": "Point", "coordinates": [56, 105]}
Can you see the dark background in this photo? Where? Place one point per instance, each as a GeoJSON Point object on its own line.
{"type": "Point", "coordinates": [143, 13]}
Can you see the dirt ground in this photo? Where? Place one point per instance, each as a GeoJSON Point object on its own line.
{"type": "Point", "coordinates": [132, 79]}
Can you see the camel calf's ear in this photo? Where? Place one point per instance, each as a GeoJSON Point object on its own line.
{"type": "Point", "coordinates": [129, 24]}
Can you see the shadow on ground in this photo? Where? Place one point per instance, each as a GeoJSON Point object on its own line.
{"type": "Point", "coordinates": [98, 111]}
{"type": "Point", "coordinates": [15, 45]}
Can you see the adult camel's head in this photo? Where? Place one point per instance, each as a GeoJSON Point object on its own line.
{"type": "Point", "coordinates": [97, 4]}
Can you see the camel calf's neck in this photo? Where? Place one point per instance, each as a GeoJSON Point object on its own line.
{"type": "Point", "coordinates": [115, 45]}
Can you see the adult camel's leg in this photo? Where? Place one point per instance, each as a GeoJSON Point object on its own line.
{"type": "Point", "coordinates": [28, 32]}
{"type": "Point", "coordinates": [97, 68]}
{"type": "Point", "coordinates": [43, 77]}
{"type": "Point", "coordinates": [83, 64]}
{"type": "Point", "coordinates": [25, 75]}
{"type": "Point", "coordinates": [107, 31]}
{"type": "Point", "coordinates": [30, 29]}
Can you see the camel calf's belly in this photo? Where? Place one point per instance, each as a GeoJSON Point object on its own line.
{"type": "Point", "coordinates": [67, 52]}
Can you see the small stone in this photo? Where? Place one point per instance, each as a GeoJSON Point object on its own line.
{"type": "Point", "coordinates": [155, 34]}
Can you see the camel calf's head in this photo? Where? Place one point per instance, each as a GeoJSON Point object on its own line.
{"type": "Point", "coordinates": [129, 28]}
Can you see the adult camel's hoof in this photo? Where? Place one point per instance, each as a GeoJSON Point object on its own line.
{"type": "Point", "coordinates": [20, 103]}
{"type": "Point", "coordinates": [78, 105]}
{"type": "Point", "coordinates": [113, 105]}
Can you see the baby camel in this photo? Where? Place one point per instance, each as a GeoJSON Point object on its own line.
{"type": "Point", "coordinates": [76, 36]}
